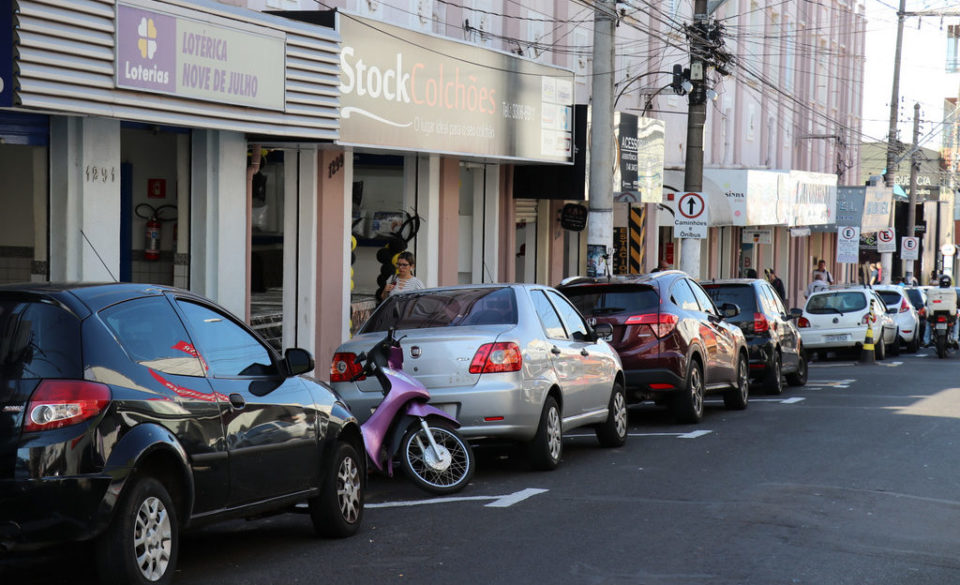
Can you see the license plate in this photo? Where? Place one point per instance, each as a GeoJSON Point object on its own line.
{"type": "Point", "coordinates": [941, 326]}
{"type": "Point", "coordinates": [832, 338]}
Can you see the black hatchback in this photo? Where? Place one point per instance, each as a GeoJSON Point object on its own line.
{"type": "Point", "coordinates": [129, 412]}
{"type": "Point", "coordinates": [773, 339]}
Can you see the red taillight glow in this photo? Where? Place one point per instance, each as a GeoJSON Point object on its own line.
{"type": "Point", "coordinates": [497, 357]}
{"type": "Point", "coordinates": [660, 324]}
{"type": "Point", "coordinates": [660, 386]}
{"type": "Point", "coordinates": [60, 403]}
{"type": "Point", "coordinates": [760, 323]}
{"type": "Point", "coordinates": [904, 306]}
{"type": "Point", "coordinates": [941, 319]}
{"type": "Point", "coordinates": [343, 368]}
{"type": "Point", "coordinates": [803, 322]}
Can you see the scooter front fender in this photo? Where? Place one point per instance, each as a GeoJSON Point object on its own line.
{"type": "Point", "coordinates": [424, 410]}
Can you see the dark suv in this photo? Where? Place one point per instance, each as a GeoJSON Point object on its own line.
{"type": "Point", "coordinates": [674, 343]}
{"type": "Point", "coordinates": [128, 412]}
{"type": "Point", "coordinates": [772, 337]}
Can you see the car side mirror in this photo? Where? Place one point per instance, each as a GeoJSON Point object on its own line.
{"type": "Point", "coordinates": [796, 313]}
{"type": "Point", "coordinates": [729, 310]}
{"type": "Point", "coordinates": [603, 330]}
{"type": "Point", "coordinates": [299, 361]}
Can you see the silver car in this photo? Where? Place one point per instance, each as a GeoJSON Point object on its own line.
{"type": "Point", "coordinates": [509, 361]}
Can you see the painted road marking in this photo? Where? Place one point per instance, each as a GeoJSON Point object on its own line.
{"type": "Point", "coordinates": [832, 383]}
{"type": "Point", "coordinates": [498, 501]}
{"type": "Point", "coordinates": [890, 364]}
{"type": "Point", "coordinates": [832, 364]}
{"type": "Point", "coordinates": [792, 400]}
{"type": "Point", "coordinates": [690, 435]}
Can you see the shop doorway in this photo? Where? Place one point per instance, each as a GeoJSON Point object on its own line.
{"type": "Point", "coordinates": [23, 224]}
{"type": "Point", "coordinates": [154, 193]}
{"type": "Point", "coordinates": [267, 241]}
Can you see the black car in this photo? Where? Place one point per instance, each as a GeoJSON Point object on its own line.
{"type": "Point", "coordinates": [772, 336]}
{"type": "Point", "coordinates": [129, 412]}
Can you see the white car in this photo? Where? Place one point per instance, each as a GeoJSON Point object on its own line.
{"type": "Point", "coordinates": [837, 320]}
{"type": "Point", "coordinates": [901, 310]}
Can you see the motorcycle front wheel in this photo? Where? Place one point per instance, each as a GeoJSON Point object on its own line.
{"type": "Point", "coordinates": [445, 472]}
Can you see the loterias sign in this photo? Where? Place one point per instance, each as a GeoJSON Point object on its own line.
{"type": "Point", "coordinates": [215, 59]}
{"type": "Point", "coordinates": [406, 90]}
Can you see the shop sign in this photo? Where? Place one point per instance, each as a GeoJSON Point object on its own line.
{"type": "Point", "coordinates": [573, 217]}
{"type": "Point", "coordinates": [638, 172]}
{"type": "Point", "coordinates": [221, 60]}
{"type": "Point", "coordinates": [741, 197]}
{"type": "Point", "coordinates": [757, 236]}
{"type": "Point", "coordinates": [6, 54]}
{"type": "Point", "coordinates": [412, 91]}
{"type": "Point", "coordinates": [877, 205]}
{"type": "Point", "coordinates": [848, 244]}
{"type": "Point", "coordinates": [811, 196]}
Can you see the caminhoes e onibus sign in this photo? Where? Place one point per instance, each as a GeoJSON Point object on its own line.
{"type": "Point", "coordinates": [166, 52]}
{"type": "Point", "coordinates": [411, 91]}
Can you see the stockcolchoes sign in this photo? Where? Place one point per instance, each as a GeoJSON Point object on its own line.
{"type": "Point", "coordinates": [411, 91]}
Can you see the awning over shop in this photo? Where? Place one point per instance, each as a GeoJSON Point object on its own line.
{"type": "Point", "coordinates": [748, 197]}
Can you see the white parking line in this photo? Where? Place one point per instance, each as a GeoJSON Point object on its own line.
{"type": "Point", "coordinates": [690, 435]}
{"type": "Point", "coordinates": [831, 383]}
{"type": "Point", "coordinates": [498, 501]}
{"type": "Point", "coordinates": [792, 400]}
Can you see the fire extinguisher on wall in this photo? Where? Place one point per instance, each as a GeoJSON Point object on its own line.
{"type": "Point", "coordinates": [155, 218]}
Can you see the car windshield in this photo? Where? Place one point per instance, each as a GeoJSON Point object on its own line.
{"type": "Point", "coordinates": [741, 295]}
{"type": "Point", "coordinates": [836, 302]}
{"type": "Point", "coordinates": [595, 301]}
{"type": "Point", "coordinates": [458, 307]}
{"type": "Point", "coordinates": [890, 297]}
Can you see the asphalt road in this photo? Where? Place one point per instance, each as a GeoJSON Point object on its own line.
{"type": "Point", "coordinates": [853, 479]}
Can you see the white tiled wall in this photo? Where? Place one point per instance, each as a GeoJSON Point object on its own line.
{"type": "Point", "coordinates": [15, 269]}
{"type": "Point", "coordinates": [156, 272]}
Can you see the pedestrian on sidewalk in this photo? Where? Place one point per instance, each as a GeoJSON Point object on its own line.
{"type": "Point", "coordinates": [822, 269]}
{"type": "Point", "coordinates": [777, 284]}
{"type": "Point", "coordinates": [817, 284]}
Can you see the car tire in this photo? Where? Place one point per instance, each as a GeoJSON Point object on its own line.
{"type": "Point", "coordinates": [799, 378]}
{"type": "Point", "coordinates": [338, 510]}
{"type": "Point", "coordinates": [914, 345]}
{"type": "Point", "coordinates": [688, 403]}
{"type": "Point", "coordinates": [141, 544]}
{"type": "Point", "coordinates": [546, 448]}
{"type": "Point", "coordinates": [879, 348]}
{"type": "Point", "coordinates": [895, 348]}
{"type": "Point", "coordinates": [773, 384]}
{"type": "Point", "coordinates": [613, 431]}
{"type": "Point", "coordinates": [738, 397]}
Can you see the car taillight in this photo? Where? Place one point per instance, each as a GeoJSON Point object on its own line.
{"type": "Point", "coordinates": [497, 357]}
{"type": "Point", "coordinates": [344, 367]}
{"type": "Point", "coordinates": [60, 403]}
{"type": "Point", "coordinates": [660, 324]}
{"type": "Point", "coordinates": [867, 319]}
{"type": "Point", "coordinates": [904, 306]}
{"type": "Point", "coordinates": [760, 323]}
{"type": "Point", "coordinates": [941, 318]}
{"type": "Point", "coordinates": [803, 322]}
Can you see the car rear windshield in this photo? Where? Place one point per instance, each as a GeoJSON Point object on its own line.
{"type": "Point", "coordinates": [596, 301]}
{"type": "Point", "coordinates": [445, 308]}
{"type": "Point", "coordinates": [889, 297]}
{"type": "Point", "coordinates": [38, 340]}
{"type": "Point", "coordinates": [836, 302]}
{"type": "Point", "coordinates": [741, 295]}
{"type": "Point", "coordinates": [916, 297]}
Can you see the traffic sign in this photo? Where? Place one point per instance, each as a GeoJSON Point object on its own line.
{"type": "Point", "coordinates": [948, 249]}
{"type": "Point", "coordinates": [886, 241]}
{"type": "Point", "coordinates": [690, 220]}
{"type": "Point", "coordinates": [848, 244]}
{"type": "Point", "coordinates": [909, 248]}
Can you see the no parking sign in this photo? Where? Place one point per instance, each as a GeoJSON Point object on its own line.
{"type": "Point", "coordinates": [886, 241]}
{"type": "Point", "coordinates": [909, 248]}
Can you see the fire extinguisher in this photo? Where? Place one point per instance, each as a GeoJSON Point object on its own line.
{"type": "Point", "coordinates": [155, 218]}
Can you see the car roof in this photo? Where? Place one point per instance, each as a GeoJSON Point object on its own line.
{"type": "Point", "coordinates": [83, 297]}
{"type": "Point", "coordinates": [648, 278]}
{"type": "Point", "coordinates": [749, 281]}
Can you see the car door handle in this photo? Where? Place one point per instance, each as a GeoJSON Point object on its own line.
{"type": "Point", "coordinates": [237, 401]}
{"type": "Point", "coordinates": [555, 350]}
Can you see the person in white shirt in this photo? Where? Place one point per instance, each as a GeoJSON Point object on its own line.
{"type": "Point", "coordinates": [404, 279]}
{"type": "Point", "coordinates": [818, 284]}
{"type": "Point", "coordinates": [822, 269]}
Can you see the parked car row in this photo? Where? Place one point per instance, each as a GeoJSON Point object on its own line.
{"type": "Point", "coordinates": [130, 412]}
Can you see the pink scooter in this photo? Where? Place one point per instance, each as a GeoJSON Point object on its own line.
{"type": "Point", "coordinates": [432, 452]}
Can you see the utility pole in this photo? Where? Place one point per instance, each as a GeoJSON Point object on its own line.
{"type": "Point", "coordinates": [914, 168]}
{"type": "Point", "coordinates": [696, 118]}
{"type": "Point", "coordinates": [600, 218]}
{"type": "Point", "coordinates": [886, 259]}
